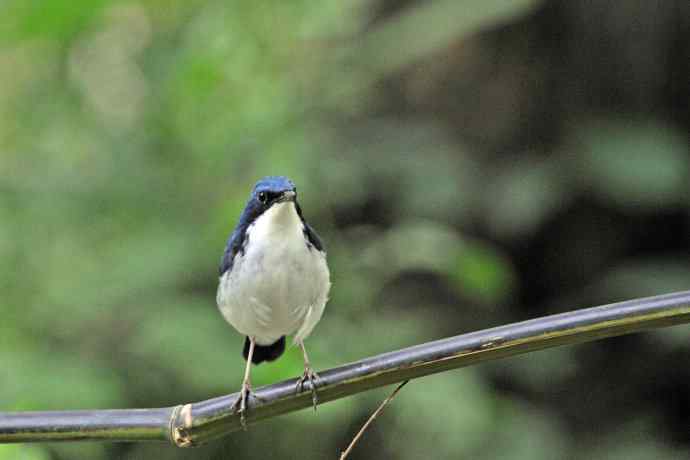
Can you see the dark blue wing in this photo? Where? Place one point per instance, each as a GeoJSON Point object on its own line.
{"type": "Point", "coordinates": [309, 233]}
{"type": "Point", "coordinates": [238, 239]}
{"type": "Point", "coordinates": [235, 245]}
{"type": "Point", "coordinates": [312, 237]}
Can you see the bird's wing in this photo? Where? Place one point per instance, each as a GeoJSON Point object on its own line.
{"type": "Point", "coordinates": [309, 233]}
{"type": "Point", "coordinates": [312, 237]}
{"type": "Point", "coordinates": [235, 245]}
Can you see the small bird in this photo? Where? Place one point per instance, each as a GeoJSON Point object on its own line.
{"type": "Point", "coordinates": [274, 280]}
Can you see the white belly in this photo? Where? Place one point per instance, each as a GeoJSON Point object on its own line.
{"type": "Point", "coordinates": [279, 286]}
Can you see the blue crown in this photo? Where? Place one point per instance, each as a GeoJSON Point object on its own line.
{"type": "Point", "coordinates": [274, 184]}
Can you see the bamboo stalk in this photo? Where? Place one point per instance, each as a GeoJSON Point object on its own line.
{"type": "Point", "coordinates": [199, 422]}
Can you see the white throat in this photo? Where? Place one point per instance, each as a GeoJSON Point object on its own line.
{"type": "Point", "coordinates": [279, 221]}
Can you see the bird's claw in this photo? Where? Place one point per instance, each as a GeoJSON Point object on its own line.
{"type": "Point", "coordinates": [240, 404]}
{"type": "Point", "coordinates": [311, 376]}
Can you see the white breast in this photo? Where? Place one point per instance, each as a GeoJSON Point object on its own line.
{"type": "Point", "coordinates": [279, 286]}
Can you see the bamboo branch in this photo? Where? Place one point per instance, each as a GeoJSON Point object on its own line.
{"type": "Point", "coordinates": [199, 422]}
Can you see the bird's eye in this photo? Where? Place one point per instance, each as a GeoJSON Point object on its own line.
{"type": "Point", "coordinates": [263, 197]}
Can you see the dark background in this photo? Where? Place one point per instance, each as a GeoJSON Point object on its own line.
{"type": "Point", "coordinates": [467, 163]}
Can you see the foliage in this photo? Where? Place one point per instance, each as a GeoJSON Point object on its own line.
{"type": "Point", "coordinates": [130, 135]}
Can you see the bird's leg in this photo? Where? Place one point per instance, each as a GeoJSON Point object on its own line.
{"type": "Point", "coordinates": [240, 405]}
{"type": "Point", "coordinates": [308, 375]}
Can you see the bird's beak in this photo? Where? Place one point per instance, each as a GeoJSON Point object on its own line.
{"type": "Point", "coordinates": [288, 196]}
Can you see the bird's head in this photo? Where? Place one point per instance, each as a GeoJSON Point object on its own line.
{"type": "Point", "coordinates": [270, 194]}
{"type": "Point", "coordinates": [272, 190]}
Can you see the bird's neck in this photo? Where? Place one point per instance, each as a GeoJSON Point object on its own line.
{"type": "Point", "coordinates": [279, 220]}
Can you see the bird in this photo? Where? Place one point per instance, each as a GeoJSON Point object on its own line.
{"type": "Point", "coordinates": [274, 280]}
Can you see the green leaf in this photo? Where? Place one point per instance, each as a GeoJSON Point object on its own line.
{"type": "Point", "coordinates": [23, 452]}
{"type": "Point", "coordinates": [637, 165]}
{"type": "Point", "coordinates": [483, 273]}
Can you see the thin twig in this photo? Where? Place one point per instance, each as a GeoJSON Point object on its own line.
{"type": "Point", "coordinates": [199, 422]}
{"type": "Point", "coordinates": [376, 413]}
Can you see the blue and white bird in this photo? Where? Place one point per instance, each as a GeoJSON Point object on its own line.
{"type": "Point", "coordinates": [274, 280]}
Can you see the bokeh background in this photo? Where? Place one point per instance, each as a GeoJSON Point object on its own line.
{"type": "Point", "coordinates": [468, 164]}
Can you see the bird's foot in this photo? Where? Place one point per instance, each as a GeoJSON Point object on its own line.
{"type": "Point", "coordinates": [312, 377]}
{"type": "Point", "coordinates": [240, 404]}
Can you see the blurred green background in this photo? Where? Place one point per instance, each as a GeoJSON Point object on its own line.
{"type": "Point", "coordinates": [467, 163]}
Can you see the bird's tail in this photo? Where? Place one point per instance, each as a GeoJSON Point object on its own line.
{"type": "Point", "coordinates": [264, 352]}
